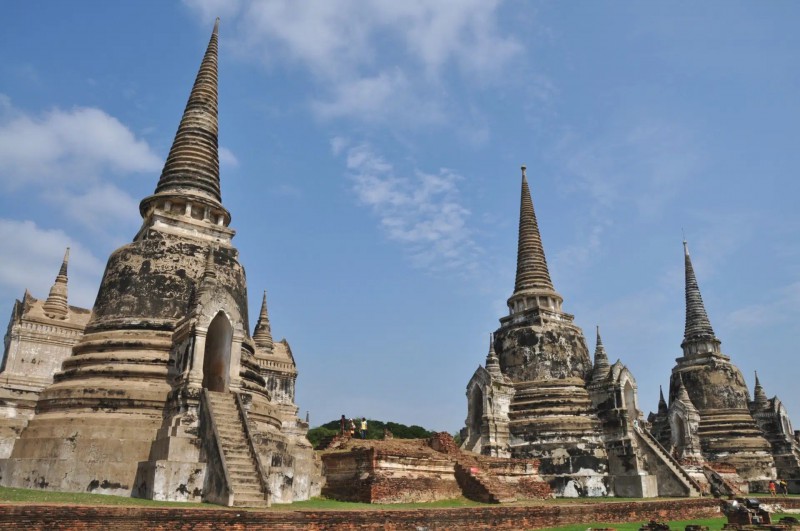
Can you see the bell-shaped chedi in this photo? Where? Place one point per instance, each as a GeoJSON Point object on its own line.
{"type": "Point", "coordinates": [717, 389]}
{"type": "Point", "coordinates": [168, 349]}
{"type": "Point", "coordinates": [544, 354]}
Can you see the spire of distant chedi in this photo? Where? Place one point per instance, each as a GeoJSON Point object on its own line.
{"type": "Point", "coordinates": [262, 335]}
{"type": "Point", "coordinates": [662, 404]}
{"type": "Point", "coordinates": [698, 336]}
{"type": "Point", "coordinates": [532, 287]}
{"type": "Point", "coordinates": [601, 365]}
{"type": "Point", "coordinates": [697, 324]}
{"type": "Point", "coordinates": [759, 396]}
{"type": "Point", "coordinates": [56, 305]}
{"type": "Point", "coordinates": [192, 168]}
{"type": "Point", "coordinates": [532, 272]}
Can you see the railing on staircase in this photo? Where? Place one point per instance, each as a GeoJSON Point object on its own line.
{"type": "Point", "coordinates": [262, 470]}
{"type": "Point", "coordinates": [675, 465]}
{"type": "Point", "coordinates": [733, 490]}
{"type": "Point", "coordinates": [227, 493]}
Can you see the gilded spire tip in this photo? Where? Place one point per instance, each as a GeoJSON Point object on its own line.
{"type": "Point", "coordinates": [216, 27]}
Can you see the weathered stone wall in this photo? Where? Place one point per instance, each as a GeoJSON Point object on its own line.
{"type": "Point", "coordinates": [542, 350]}
{"type": "Point", "coordinates": [372, 475]}
{"type": "Point", "coordinates": [35, 517]}
{"type": "Point", "coordinates": [154, 278]}
{"type": "Point", "coordinates": [714, 384]}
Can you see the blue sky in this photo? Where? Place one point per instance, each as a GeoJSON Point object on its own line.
{"type": "Point", "coordinates": [370, 161]}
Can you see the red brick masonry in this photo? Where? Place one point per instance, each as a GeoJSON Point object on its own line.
{"type": "Point", "coordinates": [31, 517]}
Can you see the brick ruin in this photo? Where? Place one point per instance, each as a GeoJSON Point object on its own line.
{"type": "Point", "coordinates": [159, 391]}
{"type": "Point", "coordinates": [425, 470]}
{"type": "Point", "coordinates": [539, 396]}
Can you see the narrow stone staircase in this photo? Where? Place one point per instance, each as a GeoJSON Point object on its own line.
{"type": "Point", "coordinates": [477, 485]}
{"type": "Point", "coordinates": [242, 466]}
{"type": "Point", "coordinates": [726, 487]}
{"type": "Point", "coordinates": [694, 489]}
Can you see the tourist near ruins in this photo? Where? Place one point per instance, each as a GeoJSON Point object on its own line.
{"type": "Point", "coordinates": [162, 391]}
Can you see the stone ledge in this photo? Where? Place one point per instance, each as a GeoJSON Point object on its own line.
{"type": "Point", "coordinates": [32, 517]}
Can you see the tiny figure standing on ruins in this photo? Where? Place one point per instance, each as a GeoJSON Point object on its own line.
{"type": "Point", "coordinates": [772, 488]}
{"type": "Point", "coordinates": [352, 427]}
{"type": "Point", "coordinates": [342, 425]}
{"type": "Point", "coordinates": [784, 487]}
{"type": "Point", "coordinates": [363, 427]}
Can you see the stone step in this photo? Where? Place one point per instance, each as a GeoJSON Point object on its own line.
{"type": "Point", "coordinates": [237, 470]}
{"type": "Point", "coordinates": [248, 491]}
{"type": "Point", "coordinates": [246, 484]}
{"type": "Point", "coordinates": [240, 451]}
{"type": "Point", "coordinates": [250, 502]}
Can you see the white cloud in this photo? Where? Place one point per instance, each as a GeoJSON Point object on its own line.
{"type": "Point", "coordinates": [72, 146]}
{"type": "Point", "coordinates": [99, 208]}
{"type": "Point", "coordinates": [227, 158]}
{"type": "Point", "coordinates": [338, 41]}
{"type": "Point", "coordinates": [33, 256]}
{"type": "Point", "coordinates": [631, 171]}
{"type": "Point", "coordinates": [781, 308]}
{"type": "Point", "coordinates": [424, 213]}
{"type": "Point", "coordinates": [67, 158]}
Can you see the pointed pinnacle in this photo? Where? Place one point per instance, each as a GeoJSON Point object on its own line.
{"type": "Point", "coordinates": [56, 305]}
{"type": "Point", "coordinates": [63, 270]}
{"type": "Point", "coordinates": [532, 272]}
{"type": "Point", "coordinates": [698, 327]}
{"type": "Point", "coordinates": [262, 335]}
{"type": "Point", "coordinates": [191, 170]}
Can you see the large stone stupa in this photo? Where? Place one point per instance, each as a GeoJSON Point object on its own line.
{"type": "Point", "coordinates": [166, 395]}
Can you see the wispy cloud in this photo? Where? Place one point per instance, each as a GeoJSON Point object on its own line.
{"type": "Point", "coordinates": [68, 158]}
{"type": "Point", "coordinates": [633, 170]}
{"type": "Point", "coordinates": [336, 40]}
{"type": "Point", "coordinates": [76, 145]}
{"type": "Point", "coordinates": [423, 212]}
{"type": "Point", "coordinates": [37, 256]}
{"type": "Point", "coordinates": [782, 306]}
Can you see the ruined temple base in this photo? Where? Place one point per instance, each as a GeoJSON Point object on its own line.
{"type": "Point", "coordinates": [425, 470]}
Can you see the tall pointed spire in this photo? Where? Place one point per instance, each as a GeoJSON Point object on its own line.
{"type": "Point", "coordinates": [759, 396]}
{"type": "Point", "coordinates": [532, 272]}
{"type": "Point", "coordinates": [192, 167]}
{"type": "Point", "coordinates": [262, 334]}
{"type": "Point", "coordinates": [698, 327]}
{"type": "Point", "coordinates": [601, 365]}
{"type": "Point", "coordinates": [662, 404]}
{"type": "Point", "coordinates": [56, 305]}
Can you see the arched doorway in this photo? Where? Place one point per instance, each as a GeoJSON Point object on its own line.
{"type": "Point", "coordinates": [217, 356]}
{"type": "Point", "coordinates": [476, 417]}
{"type": "Point", "coordinates": [680, 431]}
{"type": "Point", "coordinates": [629, 397]}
